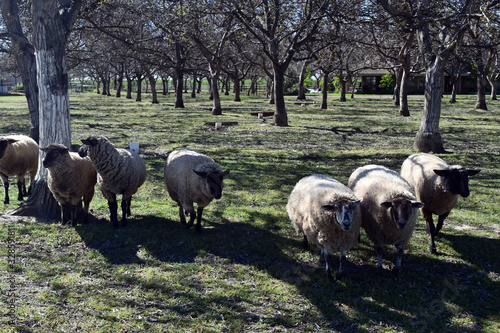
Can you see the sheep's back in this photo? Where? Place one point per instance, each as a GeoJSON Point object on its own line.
{"type": "Point", "coordinates": [377, 184]}
{"type": "Point", "coordinates": [418, 170]}
{"type": "Point", "coordinates": [320, 226]}
{"type": "Point", "coordinates": [72, 178]}
{"type": "Point", "coordinates": [120, 171]}
{"type": "Point", "coordinates": [182, 183]}
{"type": "Point", "coordinates": [20, 156]}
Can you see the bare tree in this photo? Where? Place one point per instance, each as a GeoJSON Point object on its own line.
{"type": "Point", "coordinates": [281, 28]}
{"type": "Point", "coordinates": [23, 51]}
{"type": "Point", "coordinates": [52, 21]}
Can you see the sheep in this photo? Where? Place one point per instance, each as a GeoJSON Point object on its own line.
{"type": "Point", "coordinates": [327, 213]}
{"type": "Point", "coordinates": [438, 186]}
{"type": "Point", "coordinates": [18, 155]}
{"type": "Point", "coordinates": [192, 177]}
{"type": "Point", "coordinates": [70, 177]}
{"type": "Point", "coordinates": [388, 210]}
{"type": "Point", "coordinates": [120, 171]}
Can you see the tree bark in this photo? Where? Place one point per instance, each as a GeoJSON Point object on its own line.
{"type": "Point", "coordinates": [214, 77]}
{"type": "Point", "coordinates": [428, 138]}
{"type": "Point", "coordinates": [179, 76]}
{"type": "Point", "coordinates": [237, 90]}
{"type": "Point", "coordinates": [138, 97]}
{"type": "Point", "coordinates": [302, 79]}
{"type": "Point", "coordinates": [481, 87]}
{"type": "Point", "coordinates": [493, 80]}
{"type": "Point", "coordinates": [25, 59]}
{"type": "Point", "coordinates": [129, 88]}
{"type": "Point", "coordinates": [280, 116]}
{"type": "Point", "coordinates": [403, 91]}
{"type": "Point", "coordinates": [324, 91]}
{"type": "Point", "coordinates": [50, 30]}
{"type": "Point", "coordinates": [154, 93]}
{"type": "Point", "coordinates": [397, 87]}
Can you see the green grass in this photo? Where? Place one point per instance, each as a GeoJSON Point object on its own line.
{"type": "Point", "coordinates": [247, 271]}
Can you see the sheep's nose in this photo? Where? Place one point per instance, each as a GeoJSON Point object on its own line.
{"type": "Point", "coordinates": [346, 226]}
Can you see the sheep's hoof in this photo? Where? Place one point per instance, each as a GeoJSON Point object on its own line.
{"type": "Point", "coordinates": [190, 224]}
{"type": "Point", "coordinates": [432, 249]}
{"type": "Point", "coordinates": [6, 202]}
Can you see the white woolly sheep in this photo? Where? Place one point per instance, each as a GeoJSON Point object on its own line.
{"type": "Point", "coordinates": [328, 214]}
{"type": "Point", "coordinates": [70, 177]}
{"type": "Point", "coordinates": [192, 177]}
{"type": "Point", "coordinates": [18, 155]}
{"type": "Point", "coordinates": [388, 210]}
{"type": "Point", "coordinates": [438, 186]}
{"type": "Point", "coordinates": [120, 171]}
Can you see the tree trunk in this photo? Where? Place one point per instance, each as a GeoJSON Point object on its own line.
{"type": "Point", "coordinates": [493, 80]}
{"type": "Point", "coordinates": [403, 91]}
{"type": "Point", "coordinates": [193, 88]}
{"type": "Point", "coordinates": [179, 76]}
{"type": "Point", "coordinates": [481, 87]}
{"type": "Point", "coordinates": [138, 98]}
{"type": "Point", "coordinates": [280, 116]}
{"type": "Point", "coordinates": [129, 88]}
{"type": "Point", "coordinates": [217, 109]}
{"type": "Point", "coordinates": [49, 32]}
{"type": "Point", "coordinates": [302, 79]}
{"type": "Point", "coordinates": [324, 91]}
{"type": "Point", "coordinates": [342, 97]}
{"type": "Point", "coordinates": [25, 59]}
{"type": "Point", "coordinates": [397, 87]}
{"type": "Point", "coordinates": [237, 90]}
{"type": "Point", "coordinates": [428, 138]}
{"type": "Point", "coordinates": [154, 94]}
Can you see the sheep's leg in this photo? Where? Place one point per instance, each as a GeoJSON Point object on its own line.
{"type": "Point", "coordinates": [113, 208]}
{"type": "Point", "coordinates": [5, 181]}
{"type": "Point", "coordinates": [399, 258]}
{"type": "Point", "coordinates": [73, 216]}
{"type": "Point", "coordinates": [199, 212]}
{"type": "Point", "coordinates": [181, 215]}
{"type": "Point", "coordinates": [305, 243]}
{"type": "Point", "coordinates": [324, 255]}
{"type": "Point", "coordinates": [32, 178]}
{"type": "Point", "coordinates": [65, 213]}
{"type": "Point", "coordinates": [379, 250]}
{"type": "Point", "coordinates": [431, 230]}
{"type": "Point", "coordinates": [124, 211]}
{"type": "Point", "coordinates": [440, 222]}
{"type": "Point", "coordinates": [86, 210]}
{"type": "Point", "coordinates": [129, 203]}
{"type": "Point", "coordinates": [21, 188]}
{"type": "Point", "coordinates": [192, 216]}
{"type": "Point", "coordinates": [340, 272]}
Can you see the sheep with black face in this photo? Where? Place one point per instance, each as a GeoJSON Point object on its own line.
{"type": "Point", "coordinates": [438, 186]}
{"type": "Point", "coordinates": [70, 178]}
{"type": "Point", "coordinates": [389, 208]}
{"type": "Point", "coordinates": [327, 213]}
{"type": "Point", "coordinates": [18, 156]}
{"type": "Point", "coordinates": [192, 177]}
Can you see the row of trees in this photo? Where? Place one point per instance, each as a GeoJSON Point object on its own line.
{"type": "Point", "coordinates": [150, 39]}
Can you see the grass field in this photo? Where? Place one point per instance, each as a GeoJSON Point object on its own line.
{"type": "Point", "coordinates": [247, 271]}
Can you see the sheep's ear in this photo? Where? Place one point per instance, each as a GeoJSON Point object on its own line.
{"type": "Point", "coordinates": [12, 141]}
{"type": "Point", "coordinates": [472, 172]}
{"type": "Point", "coordinates": [201, 173]}
{"type": "Point", "coordinates": [328, 207]}
{"type": "Point", "coordinates": [91, 141]}
{"type": "Point", "coordinates": [356, 203]}
{"type": "Point", "coordinates": [44, 149]}
{"type": "Point", "coordinates": [416, 204]}
{"type": "Point", "coordinates": [225, 173]}
{"type": "Point", "coordinates": [443, 173]}
{"type": "Point", "coordinates": [386, 204]}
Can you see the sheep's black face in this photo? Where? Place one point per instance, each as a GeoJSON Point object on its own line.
{"type": "Point", "coordinates": [4, 142]}
{"type": "Point", "coordinates": [401, 210]}
{"type": "Point", "coordinates": [52, 153]}
{"type": "Point", "coordinates": [456, 180]}
{"type": "Point", "coordinates": [215, 181]}
{"type": "Point", "coordinates": [344, 211]}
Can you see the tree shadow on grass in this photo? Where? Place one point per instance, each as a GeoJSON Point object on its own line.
{"type": "Point", "coordinates": [422, 298]}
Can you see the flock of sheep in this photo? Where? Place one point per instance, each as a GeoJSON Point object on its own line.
{"type": "Point", "coordinates": [327, 212]}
